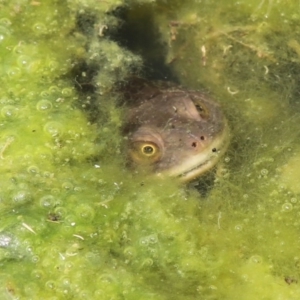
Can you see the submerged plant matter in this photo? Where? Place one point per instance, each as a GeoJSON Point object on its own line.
{"type": "Point", "coordinates": [70, 211]}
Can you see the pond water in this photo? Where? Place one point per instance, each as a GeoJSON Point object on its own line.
{"type": "Point", "coordinates": [76, 223]}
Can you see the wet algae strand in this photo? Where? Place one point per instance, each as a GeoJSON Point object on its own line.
{"type": "Point", "coordinates": [47, 187]}
{"type": "Point", "coordinates": [247, 55]}
{"type": "Point", "coordinates": [67, 217]}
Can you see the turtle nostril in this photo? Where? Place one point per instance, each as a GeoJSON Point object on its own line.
{"type": "Point", "coordinates": [202, 137]}
{"type": "Point", "coordinates": [194, 144]}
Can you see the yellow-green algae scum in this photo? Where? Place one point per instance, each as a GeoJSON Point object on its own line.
{"type": "Point", "coordinates": [75, 224]}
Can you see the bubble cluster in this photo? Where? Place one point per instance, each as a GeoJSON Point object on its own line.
{"type": "Point", "coordinates": [95, 237]}
{"type": "Point", "coordinates": [149, 240]}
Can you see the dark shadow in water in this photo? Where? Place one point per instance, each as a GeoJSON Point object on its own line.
{"type": "Point", "coordinates": [204, 184]}
{"type": "Point", "coordinates": [139, 34]}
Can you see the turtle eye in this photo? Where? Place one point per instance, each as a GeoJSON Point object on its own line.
{"type": "Point", "coordinates": [202, 110]}
{"type": "Point", "coordinates": [145, 152]}
{"type": "Point", "coordinates": [148, 150]}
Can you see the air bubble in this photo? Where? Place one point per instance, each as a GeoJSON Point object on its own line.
{"type": "Point", "coordinates": [73, 250]}
{"type": "Point", "coordinates": [264, 172]}
{"type": "Point", "coordinates": [44, 105]}
{"type": "Point", "coordinates": [83, 294]}
{"type": "Point", "coordinates": [35, 259]}
{"type": "Point", "coordinates": [47, 201]}
{"type": "Point", "coordinates": [107, 278]}
{"type": "Point", "coordinates": [5, 22]}
{"type": "Point", "coordinates": [54, 89]}
{"type": "Point", "coordinates": [60, 211]}
{"type": "Point", "coordinates": [55, 191]}
{"type": "Point", "coordinates": [153, 239]}
{"type": "Point", "coordinates": [7, 254]}
{"type": "Point", "coordinates": [23, 61]}
{"type": "Point", "coordinates": [9, 111]}
{"type": "Point", "coordinates": [256, 259]}
{"type": "Point", "coordinates": [67, 92]}
{"type": "Point", "coordinates": [144, 241]}
{"type": "Point", "coordinates": [148, 262]}
{"type": "Point", "coordinates": [287, 207]}
{"type": "Point", "coordinates": [45, 94]}
{"type": "Point", "coordinates": [66, 282]}
{"type": "Point", "coordinates": [53, 128]}
{"type": "Point", "coordinates": [33, 67]}
{"type": "Point", "coordinates": [100, 294]}
{"type": "Point", "coordinates": [227, 159]}
{"type": "Point", "coordinates": [30, 290]}
{"type": "Point", "coordinates": [14, 72]}
{"type": "Point", "coordinates": [45, 156]}
{"type": "Point", "coordinates": [39, 28]}
{"type": "Point", "coordinates": [53, 64]}
{"type": "Point", "coordinates": [85, 211]}
{"type": "Point", "coordinates": [129, 252]}
{"type": "Point", "coordinates": [77, 189]}
{"type": "Point", "coordinates": [5, 240]}
{"type": "Point", "coordinates": [294, 200]}
{"type": "Point", "coordinates": [33, 170]}
{"type": "Point", "coordinates": [50, 285]}
{"type": "Point", "coordinates": [37, 274]}
{"type": "Point", "coordinates": [67, 186]}
{"type": "Point", "coordinates": [4, 32]}
{"type": "Point", "coordinates": [238, 227]}
{"type": "Point", "coordinates": [19, 48]}
{"type": "Point", "coordinates": [70, 220]}
{"type": "Point", "coordinates": [22, 197]}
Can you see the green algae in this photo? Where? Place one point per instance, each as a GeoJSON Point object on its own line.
{"type": "Point", "coordinates": [75, 224]}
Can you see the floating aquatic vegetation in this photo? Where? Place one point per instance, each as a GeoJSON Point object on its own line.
{"type": "Point", "coordinates": [70, 211]}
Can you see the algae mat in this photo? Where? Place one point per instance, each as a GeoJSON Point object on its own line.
{"type": "Point", "coordinates": [76, 224]}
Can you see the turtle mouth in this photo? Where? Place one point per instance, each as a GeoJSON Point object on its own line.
{"type": "Point", "coordinates": [204, 161]}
